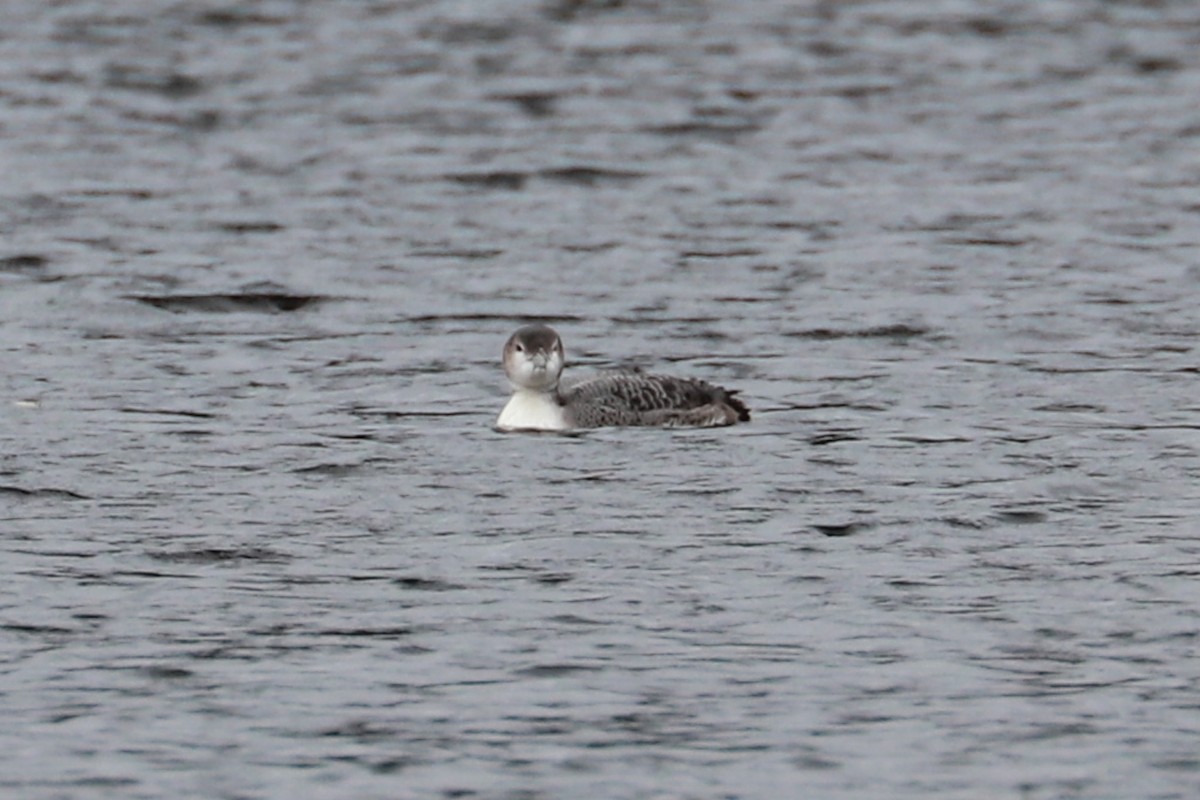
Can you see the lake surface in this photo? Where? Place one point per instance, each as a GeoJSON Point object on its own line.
{"type": "Point", "coordinates": [260, 540]}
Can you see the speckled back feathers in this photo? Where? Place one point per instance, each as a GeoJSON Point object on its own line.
{"type": "Point", "coordinates": [625, 397]}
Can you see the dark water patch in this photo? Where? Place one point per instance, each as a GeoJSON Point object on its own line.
{"type": "Point", "coordinates": [897, 331]}
{"type": "Point", "coordinates": [219, 555]}
{"type": "Point", "coordinates": [426, 584]}
{"type": "Point", "coordinates": [168, 412]}
{"type": "Point", "coordinates": [911, 583]}
{"type": "Point", "coordinates": [124, 192]}
{"type": "Point", "coordinates": [811, 761]}
{"type": "Point", "coordinates": [659, 322]}
{"type": "Point", "coordinates": [733, 252]}
{"type": "Point", "coordinates": [555, 670]}
{"type": "Point", "coordinates": [170, 84]}
{"type": "Point", "coordinates": [535, 104]}
{"type": "Point", "coordinates": [115, 578]}
{"type": "Point", "coordinates": [543, 724]}
{"type": "Point", "coordinates": [276, 168]}
{"type": "Point", "coordinates": [39, 630]}
{"type": "Point", "coordinates": [457, 254]}
{"type": "Point", "coordinates": [703, 491]}
{"type": "Point", "coordinates": [538, 575]}
{"type": "Point", "coordinates": [386, 415]}
{"type": "Point", "coordinates": [1056, 634]}
{"type": "Point", "coordinates": [749, 516]}
{"type": "Point", "coordinates": [359, 730]}
{"type": "Point", "coordinates": [933, 438]}
{"type": "Point", "coordinates": [1142, 62]}
{"type": "Point", "coordinates": [354, 360]}
{"type": "Point", "coordinates": [368, 578]}
{"type": "Point", "coordinates": [839, 529]}
{"type": "Point", "coordinates": [104, 782]}
{"type": "Point", "coordinates": [39, 208]}
{"type": "Point", "coordinates": [574, 619]}
{"type": "Point", "coordinates": [855, 90]}
{"type": "Point", "coordinates": [333, 470]}
{"type": "Point", "coordinates": [370, 633]}
{"type": "Point", "coordinates": [652, 721]}
{"type": "Point", "coordinates": [1153, 64]}
{"type": "Point", "coordinates": [588, 477]}
{"type": "Point", "coordinates": [833, 437]}
{"type": "Point", "coordinates": [554, 578]}
{"type": "Point", "coordinates": [59, 76]}
{"type": "Point", "coordinates": [251, 226]}
{"type": "Point", "coordinates": [853, 720]}
{"type": "Point", "coordinates": [24, 263]}
{"type": "Point", "coordinates": [951, 24]}
{"type": "Point", "coordinates": [1071, 408]}
{"type": "Point", "coordinates": [515, 180]}
{"type": "Point", "coordinates": [1060, 730]}
{"type": "Point", "coordinates": [1022, 438]}
{"type": "Point", "coordinates": [1182, 573]}
{"type": "Point", "coordinates": [80, 554]}
{"type": "Point", "coordinates": [512, 319]}
{"type": "Point", "coordinates": [388, 766]}
{"type": "Point", "coordinates": [470, 32]}
{"type": "Point", "coordinates": [958, 221]}
{"type": "Point", "coordinates": [745, 299]}
{"type": "Point", "coordinates": [965, 522]}
{"type": "Point", "coordinates": [1138, 230]}
{"type": "Point", "coordinates": [191, 434]}
{"type": "Point", "coordinates": [720, 131]}
{"type": "Point", "coordinates": [166, 673]}
{"type": "Point", "coordinates": [64, 494]}
{"type": "Point", "coordinates": [984, 241]}
{"type": "Point", "coordinates": [1022, 516]}
{"type": "Point", "coordinates": [232, 17]}
{"type": "Point", "coordinates": [508, 180]}
{"type": "Point", "coordinates": [97, 29]}
{"type": "Point", "coordinates": [199, 121]}
{"type": "Point", "coordinates": [589, 176]}
{"type": "Point", "coordinates": [228, 303]}
{"type": "Point", "coordinates": [569, 10]}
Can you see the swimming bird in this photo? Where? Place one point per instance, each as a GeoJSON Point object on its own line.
{"type": "Point", "coordinates": [534, 360]}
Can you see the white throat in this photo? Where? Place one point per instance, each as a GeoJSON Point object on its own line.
{"type": "Point", "coordinates": [528, 409]}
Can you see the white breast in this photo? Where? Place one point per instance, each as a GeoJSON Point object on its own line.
{"type": "Point", "coordinates": [528, 410]}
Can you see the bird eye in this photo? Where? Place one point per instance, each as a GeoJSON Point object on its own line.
{"type": "Point", "coordinates": [520, 348]}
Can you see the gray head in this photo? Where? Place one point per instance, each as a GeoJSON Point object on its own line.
{"type": "Point", "coordinates": [534, 358]}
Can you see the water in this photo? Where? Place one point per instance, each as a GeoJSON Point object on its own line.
{"type": "Point", "coordinates": [257, 262]}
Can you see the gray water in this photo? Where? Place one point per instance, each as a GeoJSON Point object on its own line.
{"type": "Point", "coordinates": [257, 261]}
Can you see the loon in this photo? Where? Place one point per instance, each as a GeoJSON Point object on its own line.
{"type": "Point", "coordinates": [533, 362]}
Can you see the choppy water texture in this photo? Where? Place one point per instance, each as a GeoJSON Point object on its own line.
{"type": "Point", "coordinates": [257, 261]}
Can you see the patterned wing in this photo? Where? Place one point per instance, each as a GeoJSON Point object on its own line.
{"type": "Point", "coordinates": [635, 398]}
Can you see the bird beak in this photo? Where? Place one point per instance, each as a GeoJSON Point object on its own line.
{"type": "Point", "coordinates": [539, 361]}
